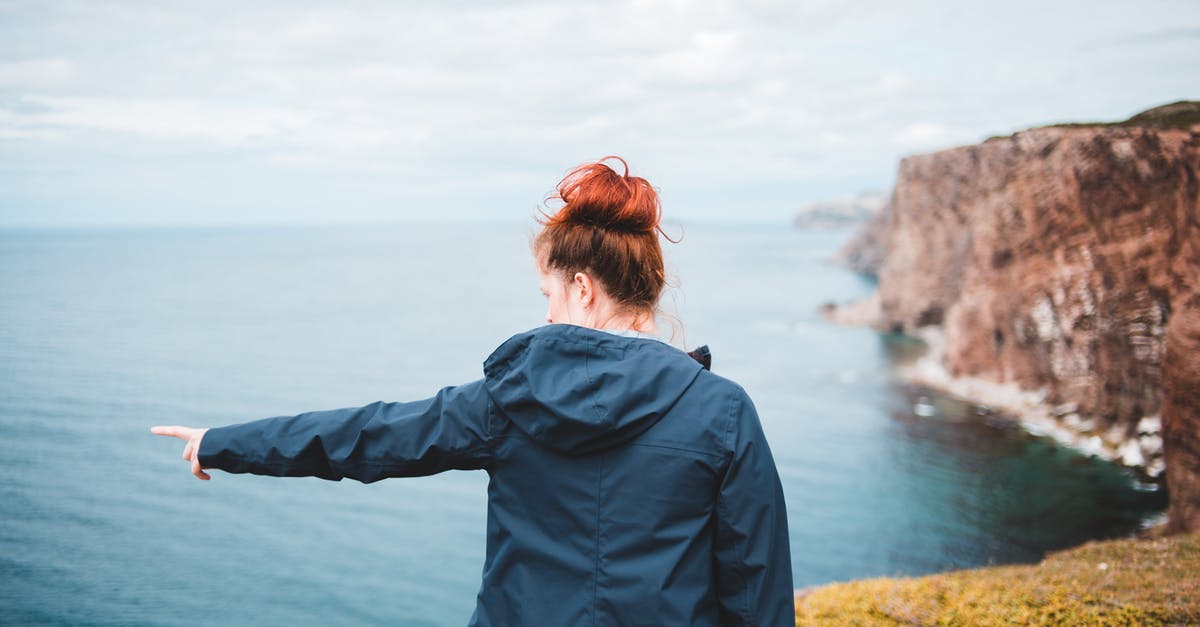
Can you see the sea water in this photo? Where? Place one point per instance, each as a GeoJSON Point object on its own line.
{"type": "Point", "coordinates": [104, 333]}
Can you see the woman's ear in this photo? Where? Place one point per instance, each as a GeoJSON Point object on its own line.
{"type": "Point", "coordinates": [583, 283]}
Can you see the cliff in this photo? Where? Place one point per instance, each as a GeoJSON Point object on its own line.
{"type": "Point", "coordinates": [1056, 273]}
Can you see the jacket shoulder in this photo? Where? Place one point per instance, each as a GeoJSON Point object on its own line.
{"type": "Point", "coordinates": [726, 405]}
{"type": "Point", "coordinates": [719, 387]}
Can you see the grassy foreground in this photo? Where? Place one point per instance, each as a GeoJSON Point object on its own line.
{"type": "Point", "coordinates": [1118, 582]}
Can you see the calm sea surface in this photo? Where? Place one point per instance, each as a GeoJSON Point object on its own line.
{"type": "Point", "coordinates": [104, 333]}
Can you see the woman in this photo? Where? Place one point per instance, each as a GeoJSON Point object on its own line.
{"type": "Point", "coordinates": [629, 485]}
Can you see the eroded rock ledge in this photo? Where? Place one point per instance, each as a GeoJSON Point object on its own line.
{"type": "Point", "coordinates": [1055, 273]}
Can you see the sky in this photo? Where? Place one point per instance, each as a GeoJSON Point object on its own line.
{"type": "Point", "coordinates": [231, 113]}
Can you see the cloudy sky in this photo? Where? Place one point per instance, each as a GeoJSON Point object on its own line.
{"type": "Point", "coordinates": [742, 110]}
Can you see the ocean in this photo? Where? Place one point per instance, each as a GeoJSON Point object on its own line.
{"type": "Point", "coordinates": [106, 332]}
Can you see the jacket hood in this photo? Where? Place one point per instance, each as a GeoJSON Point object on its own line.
{"type": "Point", "coordinates": [578, 390]}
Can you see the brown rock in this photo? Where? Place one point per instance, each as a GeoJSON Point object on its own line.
{"type": "Point", "coordinates": [1065, 259]}
{"type": "Point", "coordinates": [865, 251]}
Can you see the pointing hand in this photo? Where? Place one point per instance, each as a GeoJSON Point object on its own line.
{"type": "Point", "coordinates": [191, 450]}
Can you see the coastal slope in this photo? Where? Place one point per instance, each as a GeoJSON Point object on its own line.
{"type": "Point", "coordinates": [1117, 582]}
{"type": "Point", "coordinates": [1056, 274]}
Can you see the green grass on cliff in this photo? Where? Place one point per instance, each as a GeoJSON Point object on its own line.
{"type": "Point", "coordinates": [1182, 115]}
{"type": "Point", "coordinates": [1118, 582]}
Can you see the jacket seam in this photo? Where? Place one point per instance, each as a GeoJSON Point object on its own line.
{"type": "Point", "coordinates": [738, 565]}
{"type": "Point", "coordinates": [684, 449]}
{"type": "Point", "coordinates": [490, 443]}
{"type": "Point", "coordinates": [587, 375]}
{"type": "Point", "coordinates": [678, 448]}
{"type": "Point", "coordinates": [729, 428]}
{"type": "Point", "coordinates": [596, 575]}
{"type": "Point", "coordinates": [256, 461]}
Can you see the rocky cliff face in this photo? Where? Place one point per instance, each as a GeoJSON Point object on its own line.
{"type": "Point", "coordinates": [1056, 273]}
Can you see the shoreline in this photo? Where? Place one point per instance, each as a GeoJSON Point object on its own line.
{"type": "Point", "coordinates": [1140, 452]}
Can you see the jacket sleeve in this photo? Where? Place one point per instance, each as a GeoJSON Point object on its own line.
{"type": "Point", "coordinates": [754, 563]}
{"type": "Point", "coordinates": [380, 440]}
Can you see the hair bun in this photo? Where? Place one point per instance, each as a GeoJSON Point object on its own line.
{"type": "Point", "coordinates": [606, 226]}
{"type": "Point", "coordinates": [594, 194]}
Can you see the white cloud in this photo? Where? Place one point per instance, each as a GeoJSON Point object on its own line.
{"type": "Point", "coordinates": [893, 82]}
{"type": "Point", "coordinates": [830, 139]}
{"type": "Point", "coordinates": [158, 119]}
{"type": "Point", "coordinates": [56, 117]}
{"type": "Point", "coordinates": [921, 134]}
{"type": "Point", "coordinates": [35, 72]}
{"type": "Point", "coordinates": [29, 134]}
{"type": "Point", "coordinates": [707, 56]}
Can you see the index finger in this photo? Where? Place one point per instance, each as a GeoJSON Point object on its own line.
{"type": "Point", "coordinates": [183, 433]}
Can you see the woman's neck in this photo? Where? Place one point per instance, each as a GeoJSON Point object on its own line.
{"type": "Point", "coordinates": [640, 322]}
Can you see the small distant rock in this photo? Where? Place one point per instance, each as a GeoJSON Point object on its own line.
{"type": "Point", "coordinates": [864, 313]}
{"type": "Point", "coordinates": [841, 212]}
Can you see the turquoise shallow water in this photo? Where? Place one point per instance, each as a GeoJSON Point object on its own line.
{"type": "Point", "coordinates": [104, 333]}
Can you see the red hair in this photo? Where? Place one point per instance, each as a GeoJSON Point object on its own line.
{"type": "Point", "coordinates": [608, 226]}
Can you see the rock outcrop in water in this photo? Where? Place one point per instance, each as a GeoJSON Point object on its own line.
{"type": "Point", "coordinates": [1056, 274]}
{"type": "Point", "coordinates": [832, 214]}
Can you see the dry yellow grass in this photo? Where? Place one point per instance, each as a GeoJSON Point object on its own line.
{"type": "Point", "coordinates": [1119, 582]}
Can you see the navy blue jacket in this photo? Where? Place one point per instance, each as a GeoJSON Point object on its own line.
{"type": "Point", "coordinates": [629, 486]}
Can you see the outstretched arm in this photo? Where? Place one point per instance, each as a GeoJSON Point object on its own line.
{"type": "Point", "coordinates": [447, 431]}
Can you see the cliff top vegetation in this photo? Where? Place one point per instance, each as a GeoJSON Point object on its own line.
{"type": "Point", "coordinates": [1183, 114]}
{"type": "Point", "coordinates": [1117, 582]}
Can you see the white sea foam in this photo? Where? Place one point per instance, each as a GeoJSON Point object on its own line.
{"type": "Point", "coordinates": [1141, 450]}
